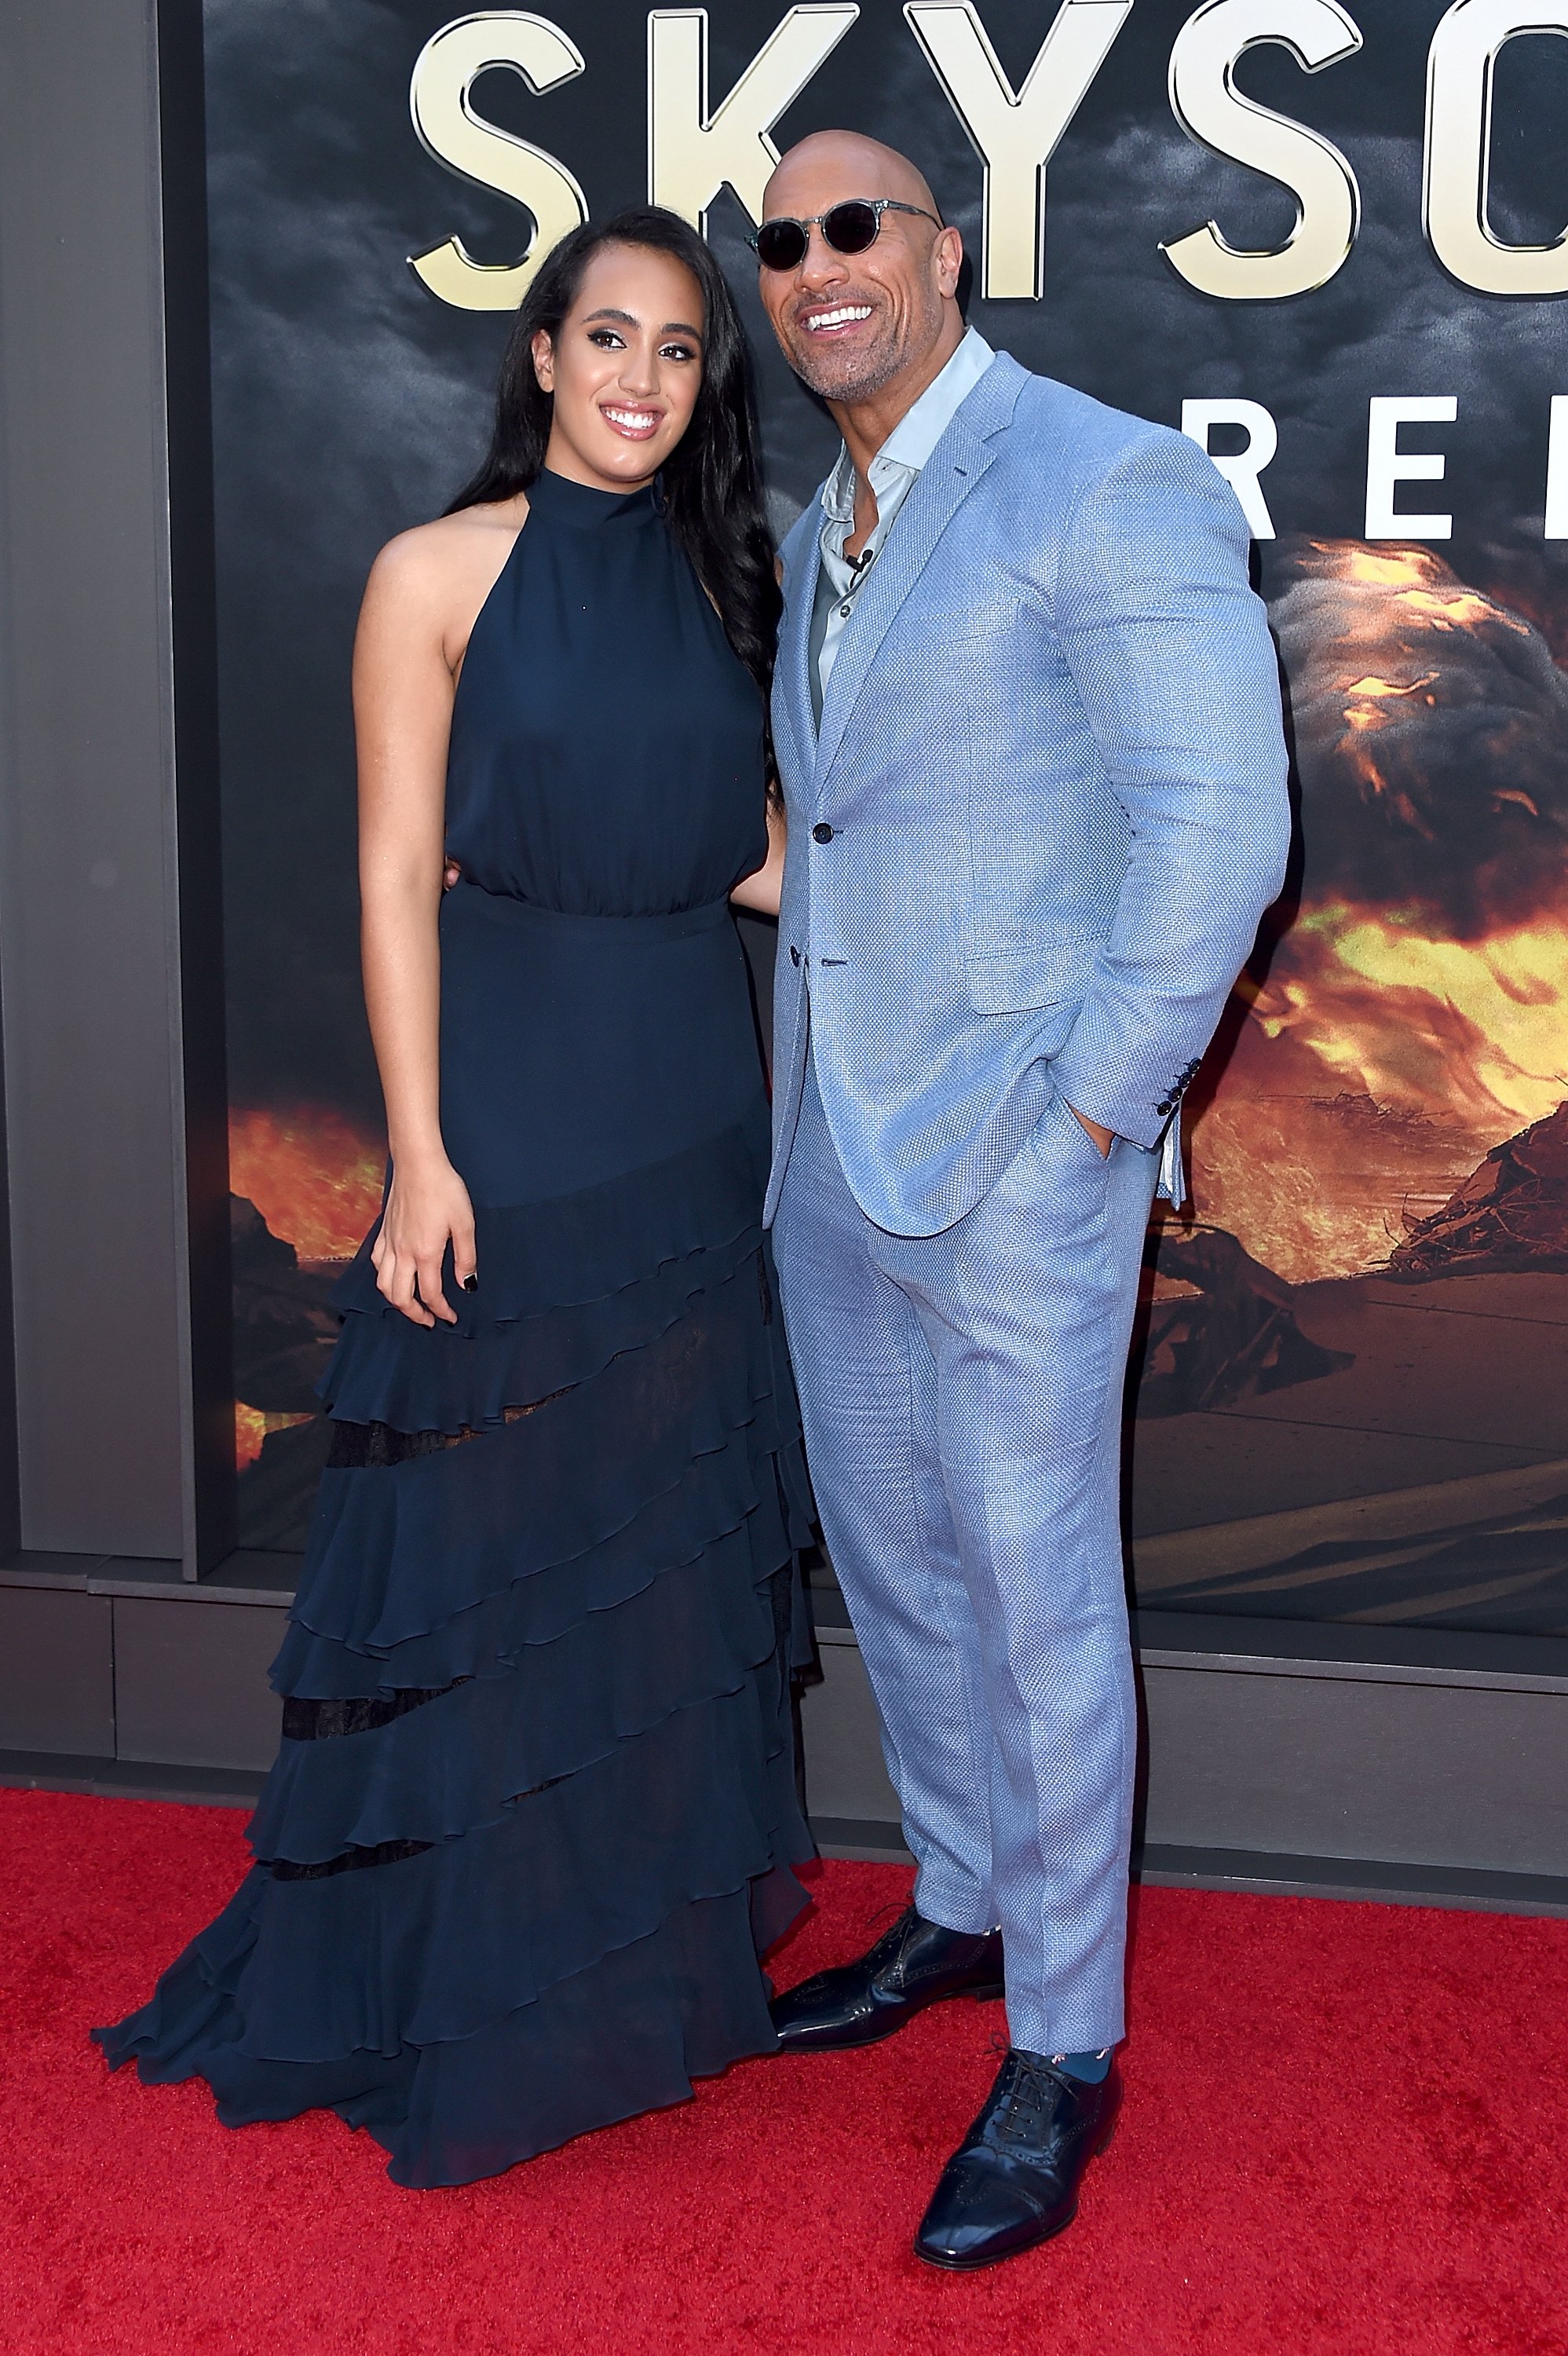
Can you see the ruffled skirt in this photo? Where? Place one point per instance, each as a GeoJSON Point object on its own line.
{"type": "Point", "coordinates": [535, 1809]}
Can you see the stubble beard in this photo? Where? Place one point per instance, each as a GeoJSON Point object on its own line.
{"type": "Point", "coordinates": [846, 378]}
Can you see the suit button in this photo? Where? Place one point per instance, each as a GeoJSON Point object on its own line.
{"type": "Point", "coordinates": [822, 832]}
{"type": "Point", "coordinates": [793, 954]}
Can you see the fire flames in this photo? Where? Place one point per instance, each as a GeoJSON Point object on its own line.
{"type": "Point", "coordinates": [1374, 1070]}
{"type": "Point", "coordinates": [250, 1429]}
{"type": "Point", "coordinates": [1415, 586]}
{"type": "Point", "coordinates": [315, 1176]}
{"type": "Point", "coordinates": [1387, 1052]}
{"type": "Point", "coordinates": [1415, 603]}
{"type": "Point", "coordinates": [1476, 1031]}
{"type": "Point", "coordinates": [316, 1180]}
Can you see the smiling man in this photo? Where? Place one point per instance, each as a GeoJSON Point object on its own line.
{"type": "Point", "coordinates": [1027, 723]}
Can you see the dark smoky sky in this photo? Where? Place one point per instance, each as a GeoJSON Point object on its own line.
{"type": "Point", "coordinates": [349, 403]}
{"type": "Point", "coordinates": [1452, 805]}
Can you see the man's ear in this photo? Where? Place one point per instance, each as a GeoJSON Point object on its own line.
{"type": "Point", "coordinates": [949, 261]}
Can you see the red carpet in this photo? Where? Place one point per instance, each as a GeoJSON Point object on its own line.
{"type": "Point", "coordinates": [1345, 2130]}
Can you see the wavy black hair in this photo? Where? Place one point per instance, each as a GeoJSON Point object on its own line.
{"type": "Point", "coordinates": [712, 483]}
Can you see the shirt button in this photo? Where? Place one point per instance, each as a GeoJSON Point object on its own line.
{"type": "Point", "coordinates": [822, 832]}
{"type": "Point", "coordinates": [845, 610]}
{"type": "Point", "coordinates": [793, 954]}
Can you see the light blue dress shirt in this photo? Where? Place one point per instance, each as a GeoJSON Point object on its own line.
{"type": "Point", "coordinates": [893, 472]}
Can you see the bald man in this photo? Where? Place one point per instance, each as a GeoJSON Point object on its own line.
{"type": "Point", "coordinates": [1027, 723]}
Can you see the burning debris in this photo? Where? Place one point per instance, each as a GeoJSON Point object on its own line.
{"type": "Point", "coordinates": [1509, 1218]}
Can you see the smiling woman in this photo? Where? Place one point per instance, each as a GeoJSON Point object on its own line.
{"type": "Point", "coordinates": [619, 377]}
{"type": "Point", "coordinates": [633, 315]}
{"type": "Point", "coordinates": [535, 1808]}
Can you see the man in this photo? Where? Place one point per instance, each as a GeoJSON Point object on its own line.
{"type": "Point", "coordinates": [1028, 725]}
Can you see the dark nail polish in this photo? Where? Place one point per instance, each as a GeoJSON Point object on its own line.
{"type": "Point", "coordinates": [471, 1284]}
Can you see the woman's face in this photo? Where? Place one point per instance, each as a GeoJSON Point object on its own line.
{"type": "Point", "coordinates": [624, 368]}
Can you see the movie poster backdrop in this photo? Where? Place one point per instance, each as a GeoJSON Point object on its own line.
{"type": "Point", "coordinates": [1332, 245]}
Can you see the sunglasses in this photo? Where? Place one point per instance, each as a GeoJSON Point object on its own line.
{"type": "Point", "coordinates": [849, 227]}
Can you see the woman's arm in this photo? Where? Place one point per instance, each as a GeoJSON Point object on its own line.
{"type": "Point", "coordinates": [761, 889]}
{"type": "Point", "coordinates": [403, 690]}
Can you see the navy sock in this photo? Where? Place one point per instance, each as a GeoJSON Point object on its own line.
{"type": "Point", "coordinates": [1091, 2069]}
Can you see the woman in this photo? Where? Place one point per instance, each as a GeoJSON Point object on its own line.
{"type": "Point", "coordinates": [534, 1810]}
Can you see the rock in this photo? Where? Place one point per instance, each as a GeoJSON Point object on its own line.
{"type": "Point", "coordinates": [1234, 1336]}
{"type": "Point", "coordinates": [277, 1493]}
{"type": "Point", "coordinates": [284, 1324]}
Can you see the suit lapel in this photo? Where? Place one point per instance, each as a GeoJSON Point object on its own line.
{"type": "Point", "coordinates": [951, 472]}
{"type": "Point", "coordinates": [793, 687]}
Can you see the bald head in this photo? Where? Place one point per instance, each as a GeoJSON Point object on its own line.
{"type": "Point", "coordinates": [875, 325]}
{"type": "Point", "coordinates": [853, 164]}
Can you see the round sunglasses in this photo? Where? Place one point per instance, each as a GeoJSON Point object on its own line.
{"type": "Point", "coordinates": [849, 227]}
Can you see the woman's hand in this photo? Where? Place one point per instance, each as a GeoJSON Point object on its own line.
{"type": "Point", "coordinates": [427, 1208]}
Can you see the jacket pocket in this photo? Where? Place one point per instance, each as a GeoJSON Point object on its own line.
{"type": "Point", "coordinates": [1010, 982]}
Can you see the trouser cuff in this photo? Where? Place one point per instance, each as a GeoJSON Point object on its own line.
{"type": "Point", "coordinates": [954, 1907]}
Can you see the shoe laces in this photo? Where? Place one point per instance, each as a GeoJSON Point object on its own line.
{"type": "Point", "coordinates": [1027, 2091]}
{"type": "Point", "coordinates": [890, 1941]}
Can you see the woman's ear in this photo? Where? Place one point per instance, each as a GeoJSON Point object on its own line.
{"type": "Point", "coordinates": [543, 352]}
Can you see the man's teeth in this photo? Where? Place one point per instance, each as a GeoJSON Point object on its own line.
{"type": "Point", "coordinates": [842, 317]}
{"type": "Point", "coordinates": [639, 420]}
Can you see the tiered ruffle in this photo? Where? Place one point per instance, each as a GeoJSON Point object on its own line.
{"type": "Point", "coordinates": [535, 1809]}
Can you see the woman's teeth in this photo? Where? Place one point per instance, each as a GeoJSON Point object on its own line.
{"type": "Point", "coordinates": [633, 421]}
{"type": "Point", "coordinates": [847, 314]}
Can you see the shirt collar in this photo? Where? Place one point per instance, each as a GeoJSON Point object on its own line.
{"type": "Point", "coordinates": [919, 430]}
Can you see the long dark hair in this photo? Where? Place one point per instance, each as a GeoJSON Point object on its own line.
{"type": "Point", "coordinates": [711, 481]}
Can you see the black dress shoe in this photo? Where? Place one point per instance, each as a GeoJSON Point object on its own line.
{"type": "Point", "coordinates": [1013, 2181]}
{"type": "Point", "coordinates": [912, 1965]}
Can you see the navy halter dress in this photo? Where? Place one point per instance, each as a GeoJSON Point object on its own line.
{"type": "Point", "coordinates": [534, 1809]}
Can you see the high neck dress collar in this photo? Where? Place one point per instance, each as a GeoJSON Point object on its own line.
{"type": "Point", "coordinates": [582, 508]}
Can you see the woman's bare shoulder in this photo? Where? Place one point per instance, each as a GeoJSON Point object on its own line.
{"type": "Point", "coordinates": [431, 560]}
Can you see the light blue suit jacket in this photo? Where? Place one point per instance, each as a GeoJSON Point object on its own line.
{"type": "Point", "coordinates": [1030, 845]}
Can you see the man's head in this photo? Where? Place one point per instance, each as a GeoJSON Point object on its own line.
{"type": "Point", "coordinates": [852, 324]}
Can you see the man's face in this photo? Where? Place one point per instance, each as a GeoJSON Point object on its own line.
{"type": "Point", "coordinates": [850, 323]}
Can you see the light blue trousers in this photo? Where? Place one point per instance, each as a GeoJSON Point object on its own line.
{"type": "Point", "coordinates": [962, 1403]}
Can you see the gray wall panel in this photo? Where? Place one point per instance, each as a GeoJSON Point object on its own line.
{"type": "Point", "coordinates": [56, 1672]}
{"type": "Point", "coordinates": [1434, 1774]}
{"type": "Point", "coordinates": [1442, 1775]}
{"type": "Point", "coordinates": [841, 1739]}
{"type": "Point", "coordinates": [89, 966]}
{"type": "Point", "coordinates": [1255, 1759]}
{"type": "Point", "coordinates": [191, 1682]}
